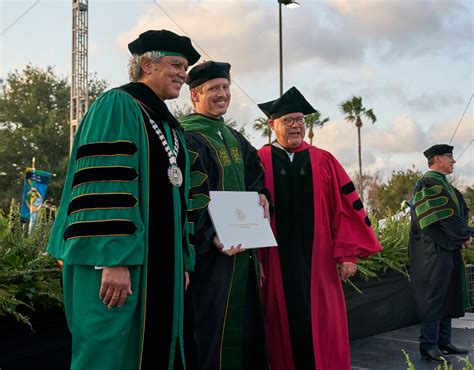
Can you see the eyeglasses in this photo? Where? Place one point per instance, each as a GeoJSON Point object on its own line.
{"type": "Point", "coordinates": [288, 121]}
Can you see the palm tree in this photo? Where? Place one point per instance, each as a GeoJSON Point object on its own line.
{"type": "Point", "coordinates": [353, 110]}
{"type": "Point", "coordinates": [312, 120]}
{"type": "Point", "coordinates": [261, 124]}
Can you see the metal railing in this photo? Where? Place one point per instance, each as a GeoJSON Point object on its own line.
{"type": "Point", "coordinates": [470, 286]}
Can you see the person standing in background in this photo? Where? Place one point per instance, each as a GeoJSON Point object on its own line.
{"type": "Point", "coordinates": [438, 232]}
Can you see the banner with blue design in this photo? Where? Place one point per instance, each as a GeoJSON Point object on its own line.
{"type": "Point", "coordinates": [34, 190]}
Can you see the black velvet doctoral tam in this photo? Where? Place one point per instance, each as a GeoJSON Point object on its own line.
{"type": "Point", "coordinates": [291, 101]}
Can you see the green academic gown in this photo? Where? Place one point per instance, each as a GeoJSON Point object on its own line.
{"type": "Point", "coordinates": [118, 208]}
{"type": "Point", "coordinates": [224, 294]}
{"type": "Point", "coordinates": [439, 226]}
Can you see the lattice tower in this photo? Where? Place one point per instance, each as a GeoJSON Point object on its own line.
{"type": "Point", "coordinates": [79, 86]}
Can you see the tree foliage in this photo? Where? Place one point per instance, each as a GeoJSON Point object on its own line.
{"type": "Point", "coordinates": [468, 194]}
{"type": "Point", "coordinates": [34, 122]}
{"type": "Point", "coordinates": [371, 185]}
{"type": "Point", "coordinates": [312, 120]}
{"type": "Point", "coordinates": [233, 123]}
{"type": "Point", "coordinates": [180, 111]}
{"type": "Point", "coordinates": [261, 125]}
{"type": "Point", "coordinates": [388, 198]}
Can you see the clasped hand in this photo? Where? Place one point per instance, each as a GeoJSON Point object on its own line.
{"type": "Point", "coordinates": [346, 270]}
{"type": "Point", "coordinates": [467, 244]}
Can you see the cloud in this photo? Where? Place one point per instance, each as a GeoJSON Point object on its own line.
{"type": "Point", "coordinates": [442, 132]}
{"type": "Point", "coordinates": [334, 34]}
{"type": "Point", "coordinates": [403, 135]}
{"type": "Point", "coordinates": [382, 18]}
{"type": "Point", "coordinates": [247, 35]}
{"type": "Point", "coordinates": [398, 146]}
{"type": "Point", "coordinates": [464, 172]}
{"type": "Point", "coordinates": [367, 72]}
{"type": "Point", "coordinates": [332, 50]}
{"type": "Point", "coordinates": [340, 138]}
{"type": "Point", "coordinates": [427, 27]}
{"type": "Point", "coordinates": [429, 101]}
{"type": "Point", "coordinates": [219, 30]}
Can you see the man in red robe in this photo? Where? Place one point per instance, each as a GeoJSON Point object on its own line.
{"type": "Point", "coordinates": [322, 230]}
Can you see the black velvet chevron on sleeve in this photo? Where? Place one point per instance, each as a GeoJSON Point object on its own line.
{"type": "Point", "coordinates": [101, 201]}
{"type": "Point", "coordinates": [357, 204]}
{"type": "Point", "coordinates": [348, 188]}
{"type": "Point", "coordinates": [99, 228]}
{"type": "Point", "coordinates": [106, 149]}
{"type": "Point", "coordinates": [112, 173]}
{"type": "Point", "coordinates": [367, 221]}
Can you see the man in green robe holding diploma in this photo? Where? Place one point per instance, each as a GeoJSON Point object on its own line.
{"type": "Point", "coordinates": [224, 293]}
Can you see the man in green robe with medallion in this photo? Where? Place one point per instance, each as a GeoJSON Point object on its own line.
{"type": "Point", "coordinates": [121, 229]}
{"type": "Point", "coordinates": [224, 293]}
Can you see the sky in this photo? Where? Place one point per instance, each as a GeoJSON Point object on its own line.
{"type": "Point", "coordinates": [411, 61]}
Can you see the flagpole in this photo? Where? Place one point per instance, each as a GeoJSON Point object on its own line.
{"type": "Point", "coordinates": [31, 224]}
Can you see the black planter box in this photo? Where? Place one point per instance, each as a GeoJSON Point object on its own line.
{"type": "Point", "coordinates": [385, 304]}
{"type": "Point", "coordinates": [48, 348]}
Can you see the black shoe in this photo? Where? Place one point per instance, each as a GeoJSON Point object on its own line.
{"type": "Point", "coordinates": [451, 349]}
{"type": "Point", "coordinates": [433, 355]}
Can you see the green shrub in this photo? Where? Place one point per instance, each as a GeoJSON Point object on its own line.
{"type": "Point", "coordinates": [393, 236]}
{"type": "Point", "coordinates": [29, 278]}
{"type": "Point", "coordinates": [468, 255]}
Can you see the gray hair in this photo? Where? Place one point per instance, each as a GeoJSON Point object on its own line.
{"type": "Point", "coordinates": [135, 71]}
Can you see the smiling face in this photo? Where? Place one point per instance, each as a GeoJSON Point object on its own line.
{"type": "Point", "coordinates": [288, 129]}
{"type": "Point", "coordinates": [212, 98]}
{"type": "Point", "coordinates": [166, 76]}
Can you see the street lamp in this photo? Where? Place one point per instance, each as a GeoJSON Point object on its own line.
{"type": "Point", "coordinates": [292, 5]}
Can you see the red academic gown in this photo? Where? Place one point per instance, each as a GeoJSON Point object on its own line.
{"type": "Point", "coordinates": [339, 231]}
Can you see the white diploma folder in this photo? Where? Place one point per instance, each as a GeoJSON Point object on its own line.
{"type": "Point", "coordinates": [238, 219]}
